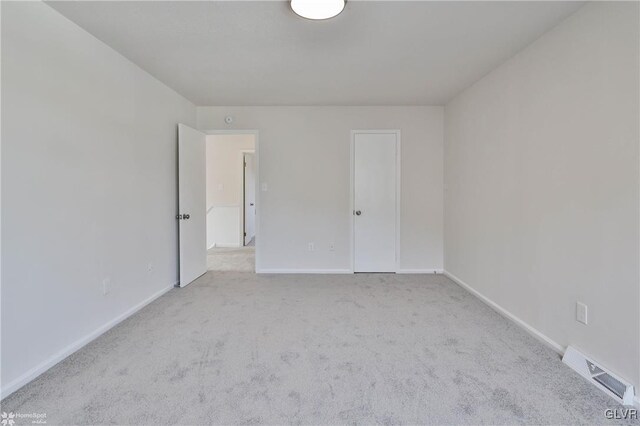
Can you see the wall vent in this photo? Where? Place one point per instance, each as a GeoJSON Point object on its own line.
{"type": "Point", "coordinates": [612, 385]}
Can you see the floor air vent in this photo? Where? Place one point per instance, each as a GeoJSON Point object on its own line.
{"type": "Point", "coordinates": [622, 391]}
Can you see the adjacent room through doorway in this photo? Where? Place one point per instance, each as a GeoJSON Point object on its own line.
{"type": "Point", "coordinates": [231, 206]}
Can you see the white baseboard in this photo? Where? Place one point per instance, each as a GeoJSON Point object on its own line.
{"type": "Point", "coordinates": [419, 271]}
{"type": "Point", "coordinates": [529, 329]}
{"type": "Point", "coordinates": [341, 271]}
{"type": "Point", "coordinates": [304, 271]}
{"type": "Point", "coordinates": [75, 346]}
{"type": "Point", "coordinates": [502, 311]}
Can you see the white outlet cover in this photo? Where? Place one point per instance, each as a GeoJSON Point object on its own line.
{"type": "Point", "coordinates": [581, 313]}
{"type": "Point", "coordinates": [311, 247]}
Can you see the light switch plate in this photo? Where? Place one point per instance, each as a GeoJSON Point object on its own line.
{"type": "Point", "coordinates": [581, 313]}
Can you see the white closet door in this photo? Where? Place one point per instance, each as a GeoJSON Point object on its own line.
{"type": "Point", "coordinates": [375, 202]}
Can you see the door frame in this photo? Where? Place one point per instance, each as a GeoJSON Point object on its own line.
{"type": "Point", "coordinates": [243, 169]}
{"type": "Point", "coordinates": [256, 159]}
{"type": "Point", "coordinates": [352, 192]}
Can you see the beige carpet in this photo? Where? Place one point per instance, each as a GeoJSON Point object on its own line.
{"type": "Point", "coordinates": [241, 259]}
{"type": "Point", "coordinates": [241, 348]}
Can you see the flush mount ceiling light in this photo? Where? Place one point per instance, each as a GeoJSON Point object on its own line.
{"type": "Point", "coordinates": [317, 9]}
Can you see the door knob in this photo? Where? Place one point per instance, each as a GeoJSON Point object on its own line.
{"type": "Point", "coordinates": [358, 212]}
{"type": "Point", "coordinates": [179, 216]}
{"type": "Point", "coordinates": [186, 216]}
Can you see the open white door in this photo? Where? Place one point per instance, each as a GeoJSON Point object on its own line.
{"type": "Point", "coordinates": [249, 199]}
{"type": "Point", "coordinates": [375, 201]}
{"type": "Point", "coordinates": [192, 203]}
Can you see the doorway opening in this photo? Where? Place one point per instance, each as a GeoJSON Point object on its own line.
{"type": "Point", "coordinates": [231, 169]}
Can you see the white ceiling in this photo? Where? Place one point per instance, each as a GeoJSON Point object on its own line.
{"type": "Point", "coordinates": [374, 53]}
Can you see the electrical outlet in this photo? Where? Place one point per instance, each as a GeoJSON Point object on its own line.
{"type": "Point", "coordinates": [581, 313]}
{"type": "Point", "coordinates": [106, 284]}
{"type": "Point", "coordinates": [150, 267]}
{"type": "Point", "coordinates": [332, 247]}
{"type": "Point", "coordinates": [312, 247]}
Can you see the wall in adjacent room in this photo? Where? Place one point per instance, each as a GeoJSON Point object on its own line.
{"type": "Point", "coordinates": [224, 168]}
{"type": "Point", "coordinates": [541, 185]}
{"type": "Point", "coordinates": [89, 158]}
{"type": "Point", "coordinates": [304, 160]}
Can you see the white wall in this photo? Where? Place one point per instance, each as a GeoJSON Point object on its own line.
{"type": "Point", "coordinates": [88, 185]}
{"type": "Point", "coordinates": [541, 185]}
{"type": "Point", "coordinates": [304, 159]}
{"type": "Point", "coordinates": [224, 167]}
{"type": "Point", "coordinates": [224, 224]}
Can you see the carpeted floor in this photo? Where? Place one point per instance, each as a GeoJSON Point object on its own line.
{"type": "Point", "coordinates": [238, 348]}
{"type": "Point", "coordinates": [240, 259]}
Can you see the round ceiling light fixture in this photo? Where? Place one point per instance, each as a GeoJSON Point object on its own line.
{"type": "Point", "coordinates": [317, 9]}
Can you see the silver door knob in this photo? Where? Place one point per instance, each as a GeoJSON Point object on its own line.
{"type": "Point", "coordinates": [358, 212]}
{"type": "Point", "coordinates": [186, 216]}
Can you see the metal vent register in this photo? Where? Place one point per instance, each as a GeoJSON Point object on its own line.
{"type": "Point", "coordinates": [614, 386]}
{"type": "Point", "coordinates": [606, 380]}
